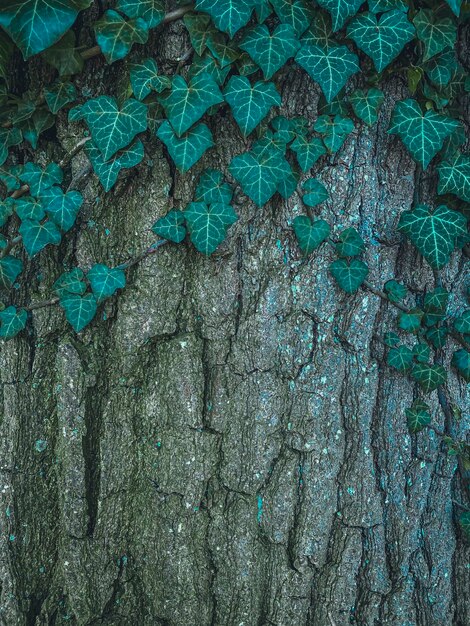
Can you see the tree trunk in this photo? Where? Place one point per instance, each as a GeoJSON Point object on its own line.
{"type": "Point", "coordinates": [225, 444]}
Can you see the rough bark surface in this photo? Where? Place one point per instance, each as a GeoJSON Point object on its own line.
{"type": "Point", "coordinates": [225, 445]}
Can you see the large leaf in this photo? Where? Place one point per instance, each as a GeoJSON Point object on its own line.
{"type": "Point", "coordinates": [429, 377]}
{"type": "Point", "coordinates": [58, 95]}
{"type": "Point", "coordinates": [186, 150]}
{"type": "Point", "coordinates": [40, 179]}
{"type": "Point", "coordinates": [310, 234]}
{"type": "Point", "coordinates": [185, 105]}
{"type": "Point", "coordinates": [454, 177]}
{"type": "Point", "coordinates": [112, 128]}
{"type": "Point", "coordinates": [12, 321]}
{"type": "Point", "coordinates": [442, 68]}
{"type": "Point", "coordinates": [349, 276]}
{"type": "Point", "coordinates": [212, 189]}
{"type": "Point", "coordinates": [228, 15]}
{"type": "Point", "coordinates": [152, 11]}
{"type": "Point", "coordinates": [423, 135]}
{"type": "Point", "coordinates": [36, 235]}
{"type": "Point", "coordinates": [10, 268]}
{"type": "Point", "coordinates": [366, 104]}
{"type": "Point", "coordinates": [171, 226]}
{"type": "Point", "coordinates": [433, 232]}
{"type": "Point", "coordinates": [79, 310]}
{"type": "Point", "coordinates": [418, 416]}
{"type": "Point", "coordinates": [108, 171]}
{"type": "Point", "coordinates": [145, 78]}
{"type": "Point", "coordinates": [400, 358]}
{"type": "Point", "coordinates": [436, 34]}
{"type": "Point", "coordinates": [319, 33]}
{"type": "Point", "coordinates": [62, 207]}
{"type": "Point", "coordinates": [116, 36]}
{"type": "Point", "coordinates": [250, 104]}
{"type": "Point", "coordinates": [34, 25]}
{"type": "Point", "coordinates": [105, 281]}
{"type": "Point", "coordinates": [340, 10]}
{"type": "Point", "coordinates": [270, 52]}
{"type": "Point", "coordinates": [295, 13]}
{"type": "Point", "coordinates": [307, 151]}
{"type": "Point", "coordinates": [330, 68]}
{"type": "Point", "coordinates": [208, 223]}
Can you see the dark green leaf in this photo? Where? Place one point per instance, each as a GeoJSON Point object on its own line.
{"type": "Point", "coordinates": [418, 416]}
{"type": "Point", "coordinates": [461, 362]}
{"type": "Point", "coordinates": [108, 171]}
{"type": "Point", "coordinates": [349, 276]}
{"type": "Point", "coordinates": [395, 291]}
{"type": "Point", "coordinates": [152, 11]}
{"type": "Point", "coordinates": [454, 177]}
{"type": "Point", "coordinates": [437, 336]}
{"type": "Point", "coordinates": [187, 150]}
{"type": "Point", "coordinates": [307, 151]}
{"type": "Point", "coordinates": [8, 137]}
{"type": "Point", "coordinates": [72, 282]}
{"type": "Point", "coordinates": [316, 192]}
{"type": "Point", "coordinates": [429, 377]}
{"type": "Point", "coordinates": [6, 209]}
{"type": "Point", "coordinates": [116, 36]}
{"type": "Point", "coordinates": [28, 208]}
{"type": "Point", "coordinates": [295, 13]}
{"type": "Point", "coordinates": [310, 234]}
{"type": "Point", "coordinates": [10, 268]}
{"type": "Point", "coordinates": [462, 323]}
{"type": "Point", "coordinates": [145, 78]}
{"type": "Point", "coordinates": [436, 301]}
{"type": "Point", "coordinates": [171, 226]}
{"type": "Point", "coordinates": [6, 49]}
{"type": "Point", "coordinates": [442, 68]}
{"type": "Point", "coordinates": [79, 310]}
{"type": "Point", "coordinates": [12, 321]}
{"type": "Point", "coordinates": [334, 130]}
{"type": "Point", "coordinates": [400, 358]}
{"type": "Point", "coordinates": [249, 104]}
{"type": "Point", "coordinates": [436, 34]}
{"type": "Point", "coordinates": [350, 243]}
{"type": "Point", "coordinates": [410, 321]}
{"type": "Point", "coordinates": [366, 104]}
{"type": "Point", "coordinates": [64, 55]}
{"type": "Point", "coordinates": [391, 339]}
{"type": "Point", "coordinates": [340, 10]}
{"type": "Point", "coordinates": [421, 352]}
{"type": "Point", "coordinates": [58, 95]}
{"type": "Point", "coordinates": [40, 121]}
{"type": "Point", "coordinates": [228, 15]}
{"type": "Point", "coordinates": [207, 224]}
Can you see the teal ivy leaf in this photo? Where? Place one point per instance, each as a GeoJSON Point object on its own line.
{"type": "Point", "coordinates": [461, 362]}
{"type": "Point", "coordinates": [433, 233]}
{"type": "Point", "coordinates": [437, 336]}
{"type": "Point", "coordinates": [228, 15]}
{"type": "Point", "coordinates": [334, 130]}
{"type": "Point", "coordinates": [423, 135]}
{"type": "Point", "coordinates": [462, 323]}
{"type": "Point", "coordinates": [105, 281]}
{"type": "Point", "coordinates": [28, 208]}
{"type": "Point", "coordinates": [40, 121]}
{"type": "Point", "coordinates": [270, 52]}
{"type": "Point", "coordinates": [37, 235]}
{"type": "Point", "coordinates": [410, 321]}
{"type": "Point", "coordinates": [8, 137]}
{"type": "Point", "coordinates": [395, 291]}
{"type": "Point", "coordinates": [152, 11]}
{"type": "Point", "coordinates": [145, 78]}
{"type": "Point", "coordinates": [72, 282]}
{"type": "Point", "coordinates": [391, 339]}
{"type": "Point", "coordinates": [429, 377]}
{"type": "Point", "coordinates": [382, 40]}
{"type": "Point", "coordinates": [40, 179]}
{"type": "Point", "coordinates": [116, 36]}
{"type": "Point", "coordinates": [296, 13]}
{"type": "Point", "coordinates": [187, 150]}
{"type": "Point", "coordinates": [366, 104]}
{"type": "Point", "coordinates": [185, 105]}
{"type": "Point", "coordinates": [249, 104]}
{"type": "Point", "coordinates": [200, 29]}
{"type": "Point", "coordinates": [260, 172]}
{"type": "Point", "coordinates": [79, 310]}
{"type": "Point", "coordinates": [454, 177]}
{"type": "Point", "coordinates": [400, 358]}
{"type": "Point", "coordinates": [288, 185]}
{"type": "Point", "coordinates": [340, 10]}
{"type": "Point", "coordinates": [245, 65]}
{"type": "Point", "coordinates": [108, 171]}
{"type": "Point", "coordinates": [455, 6]}
{"type": "Point", "coordinates": [207, 224]}
{"type": "Point", "coordinates": [62, 207]}
{"type": "Point", "coordinates": [316, 192]}
{"type": "Point", "coordinates": [380, 6]}
{"type": "Point", "coordinates": [421, 352]}
{"type": "Point", "coordinates": [436, 34]}
{"type": "Point", "coordinates": [58, 95]}
{"type": "Point", "coordinates": [350, 243]}
{"type": "Point", "coordinates": [212, 189]}
{"type": "Point", "coordinates": [349, 276]}
{"type": "Point", "coordinates": [112, 128]}
{"type": "Point", "coordinates": [417, 416]}
{"type": "Point", "coordinates": [263, 9]}
{"type": "Point", "coordinates": [34, 25]}
{"type": "Point", "coordinates": [436, 301]}
{"type": "Point", "coordinates": [64, 55]}
{"type": "Point", "coordinates": [6, 209]}
{"type": "Point", "coordinates": [319, 33]}
{"type": "Point", "coordinates": [307, 151]}
{"type": "Point", "coordinates": [442, 68]}
{"type": "Point", "coordinates": [12, 321]}
{"type": "Point", "coordinates": [10, 177]}
{"type": "Point", "coordinates": [330, 68]}
{"type": "Point", "coordinates": [208, 65]}
{"type": "Point", "coordinates": [310, 234]}
{"type": "Point", "coordinates": [10, 268]}
{"type": "Point", "coordinates": [171, 226]}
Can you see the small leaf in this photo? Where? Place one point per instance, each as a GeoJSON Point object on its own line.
{"type": "Point", "coordinates": [454, 177]}
{"type": "Point", "coordinates": [410, 321]}
{"type": "Point", "coordinates": [187, 150]}
{"type": "Point", "coordinates": [461, 362]}
{"type": "Point", "coordinates": [436, 34]}
{"type": "Point", "coordinates": [340, 10]}
{"type": "Point", "coordinates": [58, 95]}
{"type": "Point", "coordinates": [212, 189]}
{"type": "Point", "coordinates": [437, 336]}
{"type": "Point", "coordinates": [6, 210]}
{"type": "Point", "coordinates": [349, 276]}
{"type": "Point", "coordinates": [8, 137]}
{"type": "Point", "coordinates": [28, 208]}
{"type": "Point", "coordinates": [105, 281]}
{"type": "Point", "coordinates": [207, 224]}
{"type": "Point", "coordinates": [350, 243]}
{"type": "Point", "coordinates": [116, 36]}
{"type": "Point", "coordinates": [249, 104]}
{"type": "Point", "coordinates": [70, 282]}
{"type": "Point", "coordinates": [12, 321]}
{"type": "Point", "coordinates": [228, 15]}
{"type": "Point", "coordinates": [418, 416]}
{"type": "Point", "coordinates": [334, 130]}
{"type": "Point", "coordinates": [317, 192]}
{"type": "Point", "coordinates": [79, 310]}
{"type": "Point", "coordinates": [37, 235]}
{"type": "Point", "coordinates": [145, 78]}
{"type": "Point", "coordinates": [436, 301]}
{"type": "Point", "coordinates": [296, 13]}
{"type": "Point", "coordinates": [10, 268]}
{"type": "Point", "coordinates": [40, 179]}
{"type": "Point", "coordinates": [307, 151]}
{"type": "Point", "coordinates": [462, 323]}
{"type": "Point", "coordinates": [152, 11]}
{"type": "Point", "coordinates": [400, 358]}
{"type": "Point", "coordinates": [391, 339]}
{"type": "Point", "coordinates": [442, 68]}
{"type": "Point", "coordinates": [270, 52]}
{"type": "Point", "coordinates": [171, 226]}
{"type": "Point", "coordinates": [62, 207]}
{"type": "Point", "coordinates": [310, 234]}
{"type": "Point", "coordinates": [366, 104]}
{"type": "Point", "coordinates": [40, 121]}
{"type": "Point", "coordinates": [395, 291]}
{"type": "Point", "coordinates": [64, 55]}
{"type": "Point", "coordinates": [421, 352]}
{"type": "Point", "coordinates": [429, 377]}
{"type": "Point", "coordinates": [108, 171]}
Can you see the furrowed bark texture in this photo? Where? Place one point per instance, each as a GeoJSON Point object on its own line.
{"type": "Point", "coordinates": [225, 445]}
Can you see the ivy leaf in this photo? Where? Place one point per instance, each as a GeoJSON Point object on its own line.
{"type": "Point", "coordinates": [187, 150]}
{"type": "Point", "coordinates": [207, 224]}
{"type": "Point", "coordinates": [340, 10]}
{"type": "Point", "coordinates": [366, 104]}
{"type": "Point", "coordinates": [400, 358]}
{"type": "Point", "coordinates": [462, 323]}
{"type": "Point", "coordinates": [249, 104]}
{"type": "Point", "coordinates": [310, 234]}
{"type": "Point", "coordinates": [334, 130]}
{"type": "Point", "coordinates": [64, 55]}
{"type": "Point", "coordinates": [34, 25]}
{"type": "Point", "coordinates": [380, 6]}
{"type": "Point", "coordinates": [433, 233]}
{"type": "Point", "coordinates": [145, 78]}
{"type": "Point", "coordinates": [116, 36]}
{"type": "Point", "coordinates": [28, 208]}
{"type": "Point", "coordinates": [228, 15]}
{"type": "Point", "coordinates": [270, 52]}
{"type": "Point", "coordinates": [200, 29]}
{"type": "Point", "coordinates": [6, 209]}
{"type": "Point", "coordinates": [185, 105]}
{"type": "Point", "coordinates": [10, 268]}
{"type": "Point", "coordinates": [37, 235]}
{"type": "Point", "coordinates": [437, 336]}
{"type": "Point", "coordinates": [108, 171]}
{"type": "Point", "coordinates": [171, 226]}
{"type": "Point", "coordinates": [421, 352]}
{"type": "Point", "coordinates": [381, 40]}
{"type": "Point", "coordinates": [395, 291]}
{"type": "Point", "coordinates": [12, 321]}
{"type": "Point", "coordinates": [112, 128]}
{"type": "Point", "coordinates": [461, 362]}
{"type": "Point", "coordinates": [436, 34]}
{"type": "Point", "coordinates": [454, 177]}
{"type": "Point", "coordinates": [319, 33]}
{"type": "Point", "coordinates": [317, 192]}
{"type": "Point", "coordinates": [79, 310]}
{"type": "Point", "coordinates": [410, 321]}
{"type": "Point", "coordinates": [350, 243]}
{"type": "Point", "coordinates": [429, 377]}
{"type": "Point", "coordinates": [40, 179]}
{"type": "Point", "coordinates": [40, 121]}
{"type": "Point", "coordinates": [417, 416]}
{"type": "Point", "coordinates": [58, 95]}
{"type": "Point", "coordinates": [307, 151]}
{"type": "Point", "coordinates": [295, 13]}
{"type": "Point", "coordinates": [423, 135]}
{"type": "Point", "coordinates": [212, 189]}
{"type": "Point", "coordinates": [72, 282]}
{"type": "Point", "coordinates": [10, 178]}
{"type": "Point", "coordinates": [105, 281]}
{"type": "Point", "coordinates": [391, 339]}
{"type": "Point", "coordinates": [436, 301]}
{"type": "Point", "coordinates": [207, 64]}
{"type": "Point", "coordinates": [349, 276]}
{"type": "Point", "coordinates": [455, 6]}
{"type": "Point", "coordinates": [442, 68]}
{"type": "Point", "coordinates": [330, 68]}
{"type": "Point", "coordinates": [62, 207]}
{"type": "Point", "coordinates": [152, 11]}
{"type": "Point", "coordinates": [8, 137]}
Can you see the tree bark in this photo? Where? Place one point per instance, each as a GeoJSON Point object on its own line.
{"type": "Point", "coordinates": [225, 445]}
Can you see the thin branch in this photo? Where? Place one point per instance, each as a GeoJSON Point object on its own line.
{"type": "Point", "coordinates": [383, 295]}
